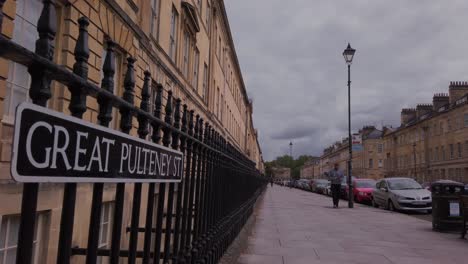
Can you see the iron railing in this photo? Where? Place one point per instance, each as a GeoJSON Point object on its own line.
{"type": "Point", "coordinates": [197, 222]}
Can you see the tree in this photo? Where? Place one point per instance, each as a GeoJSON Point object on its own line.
{"type": "Point", "coordinates": [287, 161]}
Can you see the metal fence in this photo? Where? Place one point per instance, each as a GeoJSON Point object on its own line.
{"type": "Point", "coordinates": [195, 220]}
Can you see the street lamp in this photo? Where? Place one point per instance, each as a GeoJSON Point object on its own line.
{"type": "Point", "coordinates": [348, 55]}
{"type": "Point", "coordinates": [414, 159]}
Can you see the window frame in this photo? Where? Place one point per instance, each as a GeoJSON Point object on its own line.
{"type": "Point", "coordinates": [173, 34]}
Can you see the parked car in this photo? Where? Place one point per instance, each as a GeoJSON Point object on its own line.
{"type": "Point", "coordinates": [403, 194]}
{"type": "Point", "coordinates": [320, 185]}
{"type": "Point", "coordinates": [426, 185]}
{"type": "Point", "coordinates": [362, 190]}
{"type": "Point", "coordinates": [344, 186]}
{"type": "Point", "coordinates": [303, 184]}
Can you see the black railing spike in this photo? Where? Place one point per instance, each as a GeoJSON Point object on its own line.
{"type": "Point", "coordinates": [105, 106]}
{"type": "Point", "coordinates": [168, 120]}
{"type": "Point", "coordinates": [207, 131]}
{"type": "Point", "coordinates": [190, 124]}
{"type": "Point", "coordinates": [175, 134]}
{"type": "Point", "coordinates": [157, 113]}
{"type": "Point", "coordinates": [197, 127]}
{"type": "Point", "coordinates": [183, 139]}
{"type": "Point", "coordinates": [128, 96]}
{"type": "Point", "coordinates": [200, 130]}
{"type": "Point", "coordinates": [77, 104]}
{"type": "Point", "coordinates": [144, 105]}
{"type": "Point", "coordinates": [40, 81]}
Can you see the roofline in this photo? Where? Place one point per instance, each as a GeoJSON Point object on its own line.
{"type": "Point", "coordinates": [231, 43]}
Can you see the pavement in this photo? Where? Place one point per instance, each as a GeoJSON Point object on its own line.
{"type": "Point", "coordinates": [294, 227]}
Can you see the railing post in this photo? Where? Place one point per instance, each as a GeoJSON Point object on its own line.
{"type": "Point", "coordinates": [40, 94]}
{"type": "Point", "coordinates": [77, 107]}
{"type": "Point", "coordinates": [104, 117]}
{"type": "Point", "coordinates": [150, 198]}
{"type": "Point", "coordinates": [180, 186]}
{"type": "Point", "coordinates": [170, 196]}
{"type": "Point", "coordinates": [162, 191]}
{"type": "Point", "coordinates": [142, 133]}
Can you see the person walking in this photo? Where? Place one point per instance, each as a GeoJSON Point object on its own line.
{"type": "Point", "coordinates": [271, 181]}
{"type": "Point", "coordinates": [336, 177]}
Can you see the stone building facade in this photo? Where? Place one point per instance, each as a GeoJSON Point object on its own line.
{"type": "Point", "coordinates": [187, 47]}
{"type": "Point", "coordinates": [367, 161]}
{"type": "Point", "coordinates": [311, 169]}
{"type": "Point", "coordinates": [281, 173]}
{"type": "Point", "coordinates": [432, 141]}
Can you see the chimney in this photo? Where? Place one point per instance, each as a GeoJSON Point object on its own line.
{"type": "Point", "coordinates": [367, 129]}
{"type": "Point", "coordinates": [440, 100]}
{"type": "Point", "coordinates": [422, 109]}
{"type": "Point", "coordinates": [407, 114]}
{"type": "Point", "coordinates": [457, 90]}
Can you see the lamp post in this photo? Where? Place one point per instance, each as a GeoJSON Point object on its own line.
{"type": "Point", "coordinates": [290, 148]}
{"type": "Point", "coordinates": [414, 159]}
{"type": "Point", "coordinates": [348, 55]}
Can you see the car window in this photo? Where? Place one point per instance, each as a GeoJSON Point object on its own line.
{"type": "Point", "coordinates": [383, 184]}
{"type": "Point", "coordinates": [403, 184]}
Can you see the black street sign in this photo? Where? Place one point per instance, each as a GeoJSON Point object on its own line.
{"type": "Point", "coordinates": [52, 147]}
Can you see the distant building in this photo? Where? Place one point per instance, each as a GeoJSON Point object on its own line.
{"type": "Point", "coordinates": [281, 173]}
{"type": "Point", "coordinates": [432, 141]}
{"type": "Point", "coordinates": [311, 169]}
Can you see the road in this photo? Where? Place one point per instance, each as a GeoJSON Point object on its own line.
{"type": "Point", "coordinates": [293, 227]}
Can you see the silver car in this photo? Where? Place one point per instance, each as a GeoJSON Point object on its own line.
{"type": "Point", "coordinates": [401, 194]}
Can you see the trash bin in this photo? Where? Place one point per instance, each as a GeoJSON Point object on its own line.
{"type": "Point", "coordinates": [446, 215]}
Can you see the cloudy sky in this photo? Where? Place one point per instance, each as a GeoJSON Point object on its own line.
{"type": "Point", "coordinates": [291, 59]}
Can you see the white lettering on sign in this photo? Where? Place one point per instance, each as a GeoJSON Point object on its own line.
{"type": "Point", "coordinates": [52, 147]}
{"type": "Point", "coordinates": [31, 131]}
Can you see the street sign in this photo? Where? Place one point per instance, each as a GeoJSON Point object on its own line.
{"type": "Point", "coordinates": [52, 147]}
{"type": "Point", "coordinates": [356, 142]}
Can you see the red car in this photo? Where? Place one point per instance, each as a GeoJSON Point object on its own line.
{"type": "Point", "coordinates": [362, 190]}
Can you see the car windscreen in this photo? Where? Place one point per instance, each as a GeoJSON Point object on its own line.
{"type": "Point", "coordinates": [403, 184]}
{"type": "Point", "coordinates": [365, 184]}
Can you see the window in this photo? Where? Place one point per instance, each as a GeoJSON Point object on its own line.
{"type": "Point", "coordinates": [217, 101]}
{"type": "Point", "coordinates": [105, 228]}
{"type": "Point", "coordinates": [199, 5]}
{"type": "Point", "coordinates": [465, 117]}
{"type": "Point", "coordinates": [154, 17]}
{"type": "Point", "coordinates": [219, 48]}
{"type": "Point", "coordinates": [436, 154]}
{"type": "Point", "coordinates": [466, 148]}
{"type": "Point", "coordinates": [442, 150]}
{"type": "Point", "coordinates": [186, 53]}
{"type": "Point", "coordinates": [371, 163]}
{"type": "Point", "coordinates": [380, 163]}
{"type": "Point", "coordinates": [205, 81]}
{"type": "Point", "coordinates": [452, 152]}
{"type": "Point", "coordinates": [379, 148]}
{"type": "Point", "coordinates": [196, 63]}
{"type": "Point", "coordinates": [459, 148]}
{"type": "Point", "coordinates": [25, 34]}
{"type": "Point", "coordinates": [441, 128]}
{"type": "Point", "coordinates": [9, 238]}
{"type": "Point", "coordinates": [208, 15]}
{"type": "Point", "coordinates": [173, 36]}
{"type": "Point", "coordinates": [449, 125]}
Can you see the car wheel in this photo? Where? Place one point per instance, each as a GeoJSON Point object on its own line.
{"type": "Point", "coordinates": [356, 199]}
{"type": "Point", "coordinates": [374, 204]}
{"type": "Point", "coordinates": [390, 206]}
{"type": "Point", "coordinates": [429, 211]}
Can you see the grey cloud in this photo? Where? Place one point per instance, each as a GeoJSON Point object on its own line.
{"type": "Point", "coordinates": [290, 56]}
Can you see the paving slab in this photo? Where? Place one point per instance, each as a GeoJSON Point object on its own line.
{"type": "Point", "coordinates": [294, 227]}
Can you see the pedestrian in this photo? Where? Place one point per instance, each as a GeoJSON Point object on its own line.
{"type": "Point", "coordinates": [336, 177]}
{"type": "Point", "coordinates": [271, 181]}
